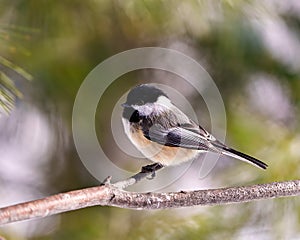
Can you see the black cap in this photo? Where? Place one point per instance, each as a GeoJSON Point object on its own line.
{"type": "Point", "coordinates": [142, 94]}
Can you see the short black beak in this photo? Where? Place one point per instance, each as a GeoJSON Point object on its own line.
{"type": "Point", "coordinates": [125, 105]}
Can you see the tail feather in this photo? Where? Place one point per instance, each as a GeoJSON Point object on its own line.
{"type": "Point", "coordinates": [244, 157]}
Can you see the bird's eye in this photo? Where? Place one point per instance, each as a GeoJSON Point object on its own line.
{"type": "Point", "coordinates": [135, 117]}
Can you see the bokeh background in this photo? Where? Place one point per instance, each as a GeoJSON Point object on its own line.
{"type": "Point", "coordinates": [250, 48]}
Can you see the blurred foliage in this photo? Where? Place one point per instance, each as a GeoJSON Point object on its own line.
{"type": "Point", "coordinates": [11, 38]}
{"type": "Point", "coordinates": [8, 90]}
{"type": "Point", "coordinates": [60, 42]}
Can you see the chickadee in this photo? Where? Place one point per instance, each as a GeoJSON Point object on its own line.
{"type": "Point", "coordinates": [164, 134]}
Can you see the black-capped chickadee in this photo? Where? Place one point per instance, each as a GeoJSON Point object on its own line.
{"type": "Point", "coordinates": [164, 134]}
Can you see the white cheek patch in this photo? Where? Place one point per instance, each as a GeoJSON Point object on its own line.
{"type": "Point", "coordinates": [164, 101]}
{"type": "Point", "coordinates": [145, 110]}
{"type": "Point", "coordinates": [158, 107]}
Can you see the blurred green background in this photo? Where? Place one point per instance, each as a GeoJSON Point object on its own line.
{"type": "Point", "coordinates": [250, 48]}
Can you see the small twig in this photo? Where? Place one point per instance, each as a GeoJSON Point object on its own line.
{"type": "Point", "coordinates": [145, 172]}
{"type": "Point", "coordinates": [72, 200]}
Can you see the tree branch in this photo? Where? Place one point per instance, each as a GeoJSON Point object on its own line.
{"type": "Point", "coordinates": [112, 195]}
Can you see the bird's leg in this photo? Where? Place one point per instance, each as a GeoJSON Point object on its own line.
{"type": "Point", "coordinates": [152, 168]}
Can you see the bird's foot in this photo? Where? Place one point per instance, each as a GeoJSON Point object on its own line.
{"type": "Point", "coordinates": [152, 168]}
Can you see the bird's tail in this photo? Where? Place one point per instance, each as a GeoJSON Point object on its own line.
{"type": "Point", "coordinates": [244, 157]}
{"type": "Point", "coordinates": [239, 155]}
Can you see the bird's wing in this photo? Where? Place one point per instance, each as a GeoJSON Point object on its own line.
{"type": "Point", "coordinates": [191, 137]}
{"type": "Point", "coordinates": [177, 137]}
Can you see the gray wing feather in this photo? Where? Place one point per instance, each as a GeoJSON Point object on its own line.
{"type": "Point", "coordinates": [177, 137]}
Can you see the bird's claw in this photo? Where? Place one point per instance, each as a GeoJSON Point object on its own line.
{"type": "Point", "coordinates": [152, 168]}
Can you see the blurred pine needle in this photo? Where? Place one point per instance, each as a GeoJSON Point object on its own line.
{"type": "Point", "coordinates": [8, 89]}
